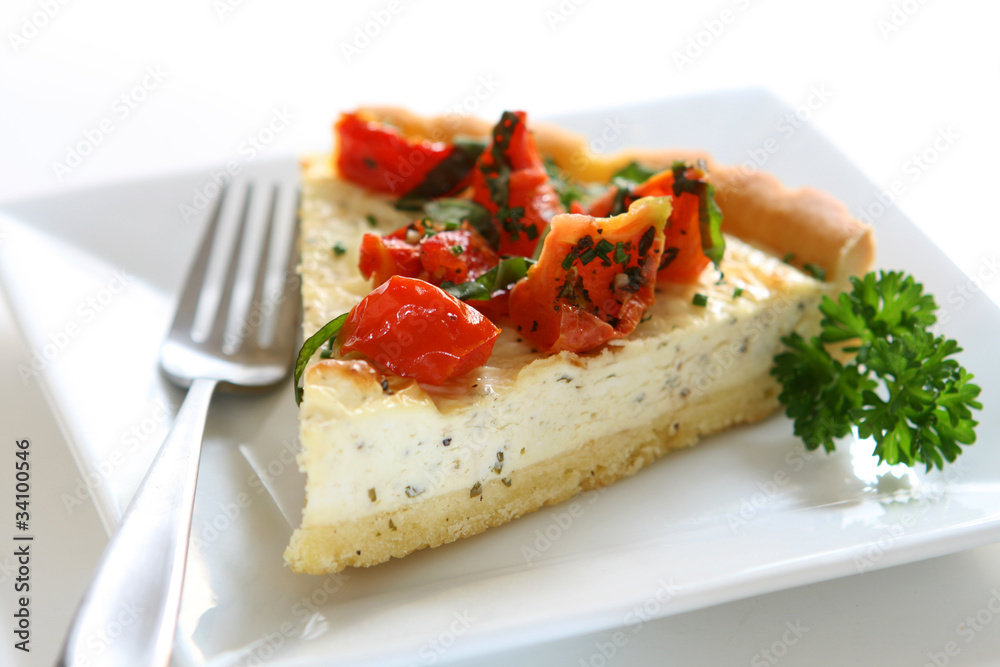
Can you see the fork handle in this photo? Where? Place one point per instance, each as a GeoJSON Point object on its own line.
{"type": "Point", "coordinates": [128, 616]}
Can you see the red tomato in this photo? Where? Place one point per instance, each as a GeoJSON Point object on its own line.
{"type": "Point", "coordinates": [427, 251]}
{"type": "Point", "coordinates": [380, 158]}
{"type": "Point", "coordinates": [456, 256]}
{"type": "Point", "coordinates": [683, 258]}
{"type": "Point", "coordinates": [593, 280]}
{"type": "Point", "coordinates": [530, 201]}
{"type": "Point", "coordinates": [381, 257]}
{"type": "Point", "coordinates": [418, 331]}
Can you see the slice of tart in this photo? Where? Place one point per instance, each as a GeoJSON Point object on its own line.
{"type": "Point", "coordinates": [394, 464]}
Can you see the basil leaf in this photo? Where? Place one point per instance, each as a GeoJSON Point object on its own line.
{"type": "Point", "coordinates": [567, 190]}
{"type": "Point", "coordinates": [507, 272]}
{"type": "Point", "coordinates": [326, 333]}
{"type": "Point", "coordinates": [713, 244]}
{"type": "Point", "coordinates": [634, 173]}
{"type": "Point", "coordinates": [447, 174]}
{"type": "Point", "coordinates": [456, 211]}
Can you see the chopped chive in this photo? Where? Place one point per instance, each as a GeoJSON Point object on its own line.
{"type": "Point", "coordinates": [457, 250]}
{"type": "Point", "coordinates": [372, 222]}
{"type": "Point", "coordinates": [787, 259]}
{"type": "Point", "coordinates": [339, 248]}
{"type": "Point", "coordinates": [700, 300]}
{"type": "Point", "coordinates": [621, 256]}
{"type": "Point", "coordinates": [738, 292]}
{"type": "Point", "coordinates": [814, 270]}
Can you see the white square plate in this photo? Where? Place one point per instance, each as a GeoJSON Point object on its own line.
{"type": "Point", "coordinates": [92, 278]}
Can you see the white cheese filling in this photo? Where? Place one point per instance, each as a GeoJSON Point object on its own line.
{"type": "Point", "coordinates": [368, 451]}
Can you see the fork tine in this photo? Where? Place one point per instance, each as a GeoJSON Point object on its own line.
{"type": "Point", "coordinates": [218, 328]}
{"type": "Point", "coordinates": [188, 303]}
{"type": "Point", "coordinates": [253, 320]}
{"type": "Point", "coordinates": [285, 331]}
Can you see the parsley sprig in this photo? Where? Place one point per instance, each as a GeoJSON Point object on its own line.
{"type": "Point", "coordinates": [901, 388]}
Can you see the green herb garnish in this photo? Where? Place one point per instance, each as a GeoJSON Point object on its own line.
{"type": "Point", "coordinates": [372, 222]}
{"type": "Point", "coordinates": [339, 248]}
{"type": "Point", "coordinates": [507, 272]}
{"type": "Point", "coordinates": [902, 388]}
{"type": "Point", "coordinates": [713, 244]}
{"type": "Point", "coordinates": [814, 270]}
{"type": "Point", "coordinates": [447, 174]}
{"type": "Point", "coordinates": [700, 300]}
{"type": "Point", "coordinates": [568, 190]}
{"type": "Point", "coordinates": [326, 333]}
{"type": "Point", "coordinates": [738, 292]}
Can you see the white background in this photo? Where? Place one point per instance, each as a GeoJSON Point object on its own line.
{"type": "Point", "coordinates": [894, 76]}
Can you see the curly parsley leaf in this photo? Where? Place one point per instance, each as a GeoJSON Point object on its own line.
{"type": "Point", "coordinates": [902, 388]}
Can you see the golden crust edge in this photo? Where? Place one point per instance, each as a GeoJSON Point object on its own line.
{"type": "Point", "coordinates": [370, 540]}
{"type": "Point", "coordinates": [809, 225]}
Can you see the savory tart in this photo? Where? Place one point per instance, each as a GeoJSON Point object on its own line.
{"type": "Point", "coordinates": [508, 320]}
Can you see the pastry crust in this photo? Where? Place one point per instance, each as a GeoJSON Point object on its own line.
{"type": "Point", "coordinates": [810, 226]}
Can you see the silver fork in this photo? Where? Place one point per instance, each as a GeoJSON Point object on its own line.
{"type": "Point", "coordinates": [128, 616]}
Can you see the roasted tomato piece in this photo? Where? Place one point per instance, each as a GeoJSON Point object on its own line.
{"type": "Point", "coordinates": [418, 331]}
{"type": "Point", "coordinates": [395, 254]}
{"type": "Point", "coordinates": [593, 280]}
{"type": "Point", "coordinates": [426, 250]}
{"type": "Point", "coordinates": [683, 256]}
{"type": "Point", "coordinates": [456, 256]}
{"type": "Point", "coordinates": [379, 157]}
{"type": "Point", "coordinates": [511, 182]}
